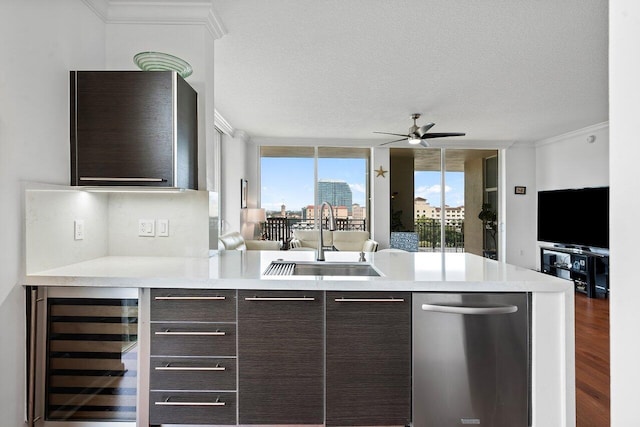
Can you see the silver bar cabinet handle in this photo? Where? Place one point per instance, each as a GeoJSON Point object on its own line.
{"type": "Point", "coordinates": [167, 403]}
{"type": "Point", "coordinates": [120, 179]}
{"type": "Point", "coordinates": [506, 309]}
{"type": "Point", "coordinates": [190, 368]}
{"type": "Point", "coordinates": [369, 299]}
{"type": "Point", "coordinates": [189, 298]}
{"type": "Point", "coordinates": [280, 299]}
{"type": "Point", "coordinates": [191, 333]}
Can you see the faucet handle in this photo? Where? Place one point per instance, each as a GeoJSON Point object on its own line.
{"type": "Point", "coordinates": [362, 258]}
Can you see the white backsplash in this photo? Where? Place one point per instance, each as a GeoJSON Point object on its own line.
{"type": "Point", "coordinates": [49, 227]}
{"type": "Point", "coordinates": [111, 225]}
{"type": "Point", "coordinates": [188, 215]}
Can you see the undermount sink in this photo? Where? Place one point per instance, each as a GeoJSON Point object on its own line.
{"type": "Point", "coordinates": [323, 268]}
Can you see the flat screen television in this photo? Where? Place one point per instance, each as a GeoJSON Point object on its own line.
{"type": "Point", "coordinates": [578, 217]}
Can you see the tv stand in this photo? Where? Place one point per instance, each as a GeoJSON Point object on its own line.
{"type": "Point", "coordinates": [588, 270]}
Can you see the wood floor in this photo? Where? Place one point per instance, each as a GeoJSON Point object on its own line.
{"type": "Point", "coordinates": [592, 362]}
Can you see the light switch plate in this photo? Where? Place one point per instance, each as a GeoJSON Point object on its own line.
{"type": "Point", "coordinates": [163, 227]}
{"type": "Point", "coordinates": [146, 228]}
{"type": "Point", "coordinates": [78, 229]}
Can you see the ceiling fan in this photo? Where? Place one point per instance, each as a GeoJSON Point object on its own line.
{"type": "Point", "coordinates": [418, 135]}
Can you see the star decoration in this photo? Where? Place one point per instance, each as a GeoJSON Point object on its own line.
{"type": "Point", "coordinates": [381, 172]}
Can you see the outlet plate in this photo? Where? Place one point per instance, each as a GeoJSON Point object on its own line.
{"type": "Point", "coordinates": [78, 229]}
{"type": "Point", "coordinates": [146, 228]}
{"type": "Point", "coordinates": [162, 227]}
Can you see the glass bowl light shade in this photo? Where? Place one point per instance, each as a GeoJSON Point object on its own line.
{"type": "Point", "coordinates": [158, 61]}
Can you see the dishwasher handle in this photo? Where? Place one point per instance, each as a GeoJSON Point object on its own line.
{"type": "Point", "coordinates": [455, 309]}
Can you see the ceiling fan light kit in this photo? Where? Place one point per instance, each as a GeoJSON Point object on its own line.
{"type": "Point", "coordinates": [417, 135]}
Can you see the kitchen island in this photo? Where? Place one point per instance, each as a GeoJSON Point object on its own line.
{"type": "Point", "coordinates": [552, 336]}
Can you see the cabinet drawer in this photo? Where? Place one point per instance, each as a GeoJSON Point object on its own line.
{"type": "Point", "coordinates": [193, 339]}
{"type": "Point", "coordinates": [184, 373]}
{"type": "Point", "coordinates": [192, 408]}
{"type": "Point", "coordinates": [205, 305]}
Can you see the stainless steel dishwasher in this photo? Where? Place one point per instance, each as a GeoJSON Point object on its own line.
{"type": "Point", "coordinates": [471, 359]}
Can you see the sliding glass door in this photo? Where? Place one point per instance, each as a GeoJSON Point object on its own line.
{"type": "Point", "coordinates": [296, 180]}
{"type": "Point", "coordinates": [453, 205]}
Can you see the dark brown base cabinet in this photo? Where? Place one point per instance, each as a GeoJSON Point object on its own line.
{"type": "Point", "coordinates": [368, 339]}
{"type": "Point", "coordinates": [303, 357]}
{"type": "Point", "coordinates": [193, 357]}
{"type": "Point", "coordinates": [280, 357]}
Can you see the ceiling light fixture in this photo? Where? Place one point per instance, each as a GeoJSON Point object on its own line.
{"type": "Point", "coordinates": [414, 139]}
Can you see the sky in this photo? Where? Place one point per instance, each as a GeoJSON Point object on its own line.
{"type": "Point", "coordinates": [289, 181]}
{"type": "Point", "coordinates": [427, 186]}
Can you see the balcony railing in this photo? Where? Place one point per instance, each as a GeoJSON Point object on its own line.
{"type": "Point", "coordinates": [428, 230]}
{"type": "Point", "coordinates": [281, 229]}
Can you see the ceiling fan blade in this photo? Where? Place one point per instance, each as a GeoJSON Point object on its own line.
{"type": "Point", "coordinates": [441, 135]}
{"type": "Point", "coordinates": [390, 142]}
{"type": "Point", "coordinates": [425, 144]}
{"type": "Point", "coordinates": [425, 128]}
{"type": "Point", "coordinates": [394, 134]}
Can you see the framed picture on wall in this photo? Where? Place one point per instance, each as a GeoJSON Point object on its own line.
{"type": "Point", "coordinates": [520, 190]}
{"type": "Point", "coordinates": [243, 193]}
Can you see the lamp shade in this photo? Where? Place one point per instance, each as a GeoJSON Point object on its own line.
{"type": "Point", "coordinates": [256, 215]}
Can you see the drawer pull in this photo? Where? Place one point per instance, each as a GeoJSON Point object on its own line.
{"type": "Point", "coordinates": [121, 179]}
{"type": "Point", "coordinates": [168, 403]}
{"type": "Point", "coordinates": [190, 368]}
{"type": "Point", "coordinates": [189, 298]}
{"type": "Point", "coordinates": [369, 299]}
{"type": "Point", "coordinates": [191, 333]}
{"type": "Point", "coordinates": [280, 299]}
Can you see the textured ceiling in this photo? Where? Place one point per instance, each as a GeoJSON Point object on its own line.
{"type": "Point", "coordinates": [499, 70]}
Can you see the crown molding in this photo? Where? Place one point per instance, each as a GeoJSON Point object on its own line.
{"type": "Point", "coordinates": [170, 12]}
{"type": "Point", "coordinates": [222, 124]}
{"type": "Point", "coordinates": [575, 133]}
{"type": "Point", "coordinates": [99, 7]}
{"type": "Point", "coordinates": [215, 25]}
{"type": "Point", "coordinates": [245, 137]}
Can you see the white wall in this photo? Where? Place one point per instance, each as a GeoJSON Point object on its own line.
{"type": "Point", "coordinates": [520, 209]}
{"type": "Point", "coordinates": [570, 161]}
{"type": "Point", "coordinates": [624, 102]}
{"type": "Point", "coordinates": [233, 167]}
{"type": "Point", "coordinates": [380, 197]}
{"type": "Point", "coordinates": [41, 42]}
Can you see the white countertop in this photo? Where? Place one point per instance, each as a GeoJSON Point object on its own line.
{"type": "Point", "coordinates": [243, 270]}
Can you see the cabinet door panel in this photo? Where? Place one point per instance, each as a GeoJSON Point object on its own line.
{"type": "Point", "coordinates": [124, 126]}
{"type": "Point", "coordinates": [280, 357]}
{"type": "Point", "coordinates": [368, 339]}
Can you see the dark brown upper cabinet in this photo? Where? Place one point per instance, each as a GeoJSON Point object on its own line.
{"type": "Point", "coordinates": [133, 128]}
